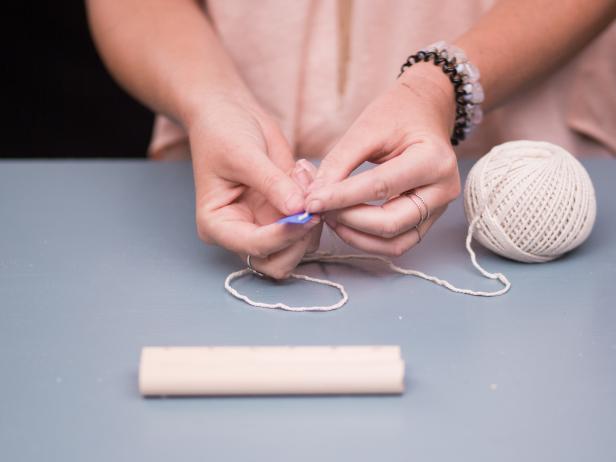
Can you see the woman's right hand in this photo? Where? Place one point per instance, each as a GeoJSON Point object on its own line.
{"type": "Point", "coordinates": [246, 179]}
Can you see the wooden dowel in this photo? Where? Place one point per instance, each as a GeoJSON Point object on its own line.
{"type": "Point", "coordinates": [270, 370]}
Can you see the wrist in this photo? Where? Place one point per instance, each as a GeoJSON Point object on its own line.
{"type": "Point", "coordinates": [464, 77]}
{"type": "Point", "coordinates": [432, 76]}
{"type": "Point", "coordinates": [431, 84]}
{"type": "Point", "coordinates": [205, 104]}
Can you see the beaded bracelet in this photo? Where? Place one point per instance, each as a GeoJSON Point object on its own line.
{"type": "Point", "coordinates": [465, 78]}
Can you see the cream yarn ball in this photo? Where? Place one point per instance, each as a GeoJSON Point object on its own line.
{"type": "Point", "coordinates": [530, 201]}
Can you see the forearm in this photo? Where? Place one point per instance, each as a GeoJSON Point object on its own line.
{"type": "Point", "coordinates": [165, 53]}
{"type": "Point", "coordinates": [518, 41]}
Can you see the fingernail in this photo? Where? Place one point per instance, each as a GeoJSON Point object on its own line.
{"type": "Point", "coordinates": [314, 206]}
{"type": "Point", "coordinates": [315, 220]}
{"type": "Point", "coordinates": [295, 172]}
{"type": "Point", "coordinates": [303, 178]}
{"type": "Point", "coordinates": [305, 164]}
{"type": "Point", "coordinates": [294, 204]}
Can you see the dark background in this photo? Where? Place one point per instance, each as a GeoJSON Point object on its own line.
{"type": "Point", "coordinates": [59, 99]}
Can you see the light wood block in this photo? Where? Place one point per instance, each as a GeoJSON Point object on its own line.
{"type": "Point", "coordinates": [185, 371]}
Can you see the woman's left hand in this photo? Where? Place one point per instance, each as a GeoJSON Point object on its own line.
{"type": "Point", "coordinates": [407, 131]}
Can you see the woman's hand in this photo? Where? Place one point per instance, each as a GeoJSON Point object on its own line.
{"type": "Point", "coordinates": [242, 166]}
{"type": "Point", "coordinates": [168, 55]}
{"type": "Point", "coordinates": [406, 130]}
{"type": "Point", "coordinates": [279, 265]}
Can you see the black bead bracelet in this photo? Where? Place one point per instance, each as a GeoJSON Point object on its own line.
{"type": "Point", "coordinates": [467, 90]}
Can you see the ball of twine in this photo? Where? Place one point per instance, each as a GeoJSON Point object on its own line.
{"type": "Point", "coordinates": [529, 201]}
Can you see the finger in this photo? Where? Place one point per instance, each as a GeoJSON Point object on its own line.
{"type": "Point", "coordinates": [279, 265]}
{"type": "Point", "coordinates": [396, 216]}
{"type": "Point", "coordinates": [394, 246]}
{"type": "Point", "coordinates": [278, 148]}
{"type": "Point", "coordinates": [355, 146]}
{"type": "Point", "coordinates": [309, 167]}
{"type": "Point", "coordinates": [248, 238]}
{"type": "Point", "coordinates": [315, 234]}
{"type": "Point", "coordinates": [315, 239]}
{"type": "Point", "coordinates": [303, 173]}
{"type": "Point", "coordinates": [260, 173]}
{"type": "Point", "coordinates": [418, 165]}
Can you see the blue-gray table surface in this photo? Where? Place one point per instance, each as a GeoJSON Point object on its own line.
{"type": "Point", "coordinates": [98, 259]}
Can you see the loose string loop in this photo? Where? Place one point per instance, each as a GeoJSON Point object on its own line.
{"type": "Point", "coordinates": [326, 257]}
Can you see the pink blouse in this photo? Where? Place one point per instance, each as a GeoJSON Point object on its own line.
{"type": "Point", "coordinates": [316, 64]}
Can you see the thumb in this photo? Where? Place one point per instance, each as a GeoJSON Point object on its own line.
{"type": "Point", "coordinates": [278, 188]}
